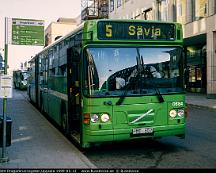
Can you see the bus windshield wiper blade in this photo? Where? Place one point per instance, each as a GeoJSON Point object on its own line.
{"type": "Point", "coordinates": [134, 80]}
{"type": "Point", "coordinates": [160, 97]}
{"type": "Point", "coordinates": [122, 97]}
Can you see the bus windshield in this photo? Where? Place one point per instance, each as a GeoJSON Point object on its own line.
{"type": "Point", "coordinates": [25, 75]}
{"type": "Point", "coordinates": [132, 71]}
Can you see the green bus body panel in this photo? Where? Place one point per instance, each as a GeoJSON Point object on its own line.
{"type": "Point", "coordinates": [53, 98]}
{"type": "Point", "coordinates": [45, 97]}
{"type": "Point", "coordinates": [54, 108]}
{"type": "Point", "coordinates": [124, 134]}
{"type": "Point", "coordinates": [58, 83]}
{"type": "Point", "coordinates": [119, 126]}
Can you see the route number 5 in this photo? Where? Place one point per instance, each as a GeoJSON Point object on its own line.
{"type": "Point", "coordinates": [108, 30]}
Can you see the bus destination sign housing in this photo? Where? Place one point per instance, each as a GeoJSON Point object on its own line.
{"type": "Point", "coordinates": [114, 30]}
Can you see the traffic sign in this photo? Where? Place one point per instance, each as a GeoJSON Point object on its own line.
{"type": "Point", "coordinates": [5, 86]}
{"type": "Point", "coordinates": [27, 32]}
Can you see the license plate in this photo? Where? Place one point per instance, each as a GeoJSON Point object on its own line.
{"type": "Point", "coordinates": [142, 131]}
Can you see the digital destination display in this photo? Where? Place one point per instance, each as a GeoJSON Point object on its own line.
{"type": "Point", "coordinates": [113, 30]}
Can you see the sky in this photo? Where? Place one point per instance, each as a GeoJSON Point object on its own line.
{"type": "Point", "coordinates": [47, 10]}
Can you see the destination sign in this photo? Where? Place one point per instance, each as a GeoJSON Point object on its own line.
{"type": "Point", "coordinates": [113, 30]}
{"type": "Point", "coordinates": [27, 32]}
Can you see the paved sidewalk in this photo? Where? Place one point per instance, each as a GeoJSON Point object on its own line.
{"type": "Point", "coordinates": [35, 142]}
{"type": "Point", "coordinates": [200, 100]}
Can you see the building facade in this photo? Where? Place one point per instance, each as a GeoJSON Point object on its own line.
{"type": "Point", "coordinates": [198, 18]}
{"type": "Point", "coordinates": [94, 9]}
{"type": "Point", "coordinates": [58, 29]}
{"type": "Point", "coordinates": [131, 9]}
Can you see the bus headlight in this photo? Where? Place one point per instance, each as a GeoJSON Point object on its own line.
{"type": "Point", "coordinates": [173, 113]}
{"type": "Point", "coordinates": [105, 118]}
{"type": "Point", "coordinates": [94, 118]}
{"type": "Point", "coordinates": [180, 112]}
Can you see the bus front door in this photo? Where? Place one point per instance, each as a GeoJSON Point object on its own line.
{"type": "Point", "coordinates": [74, 105]}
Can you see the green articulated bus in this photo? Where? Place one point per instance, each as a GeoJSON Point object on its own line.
{"type": "Point", "coordinates": [113, 80]}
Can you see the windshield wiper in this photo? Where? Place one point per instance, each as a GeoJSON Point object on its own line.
{"type": "Point", "coordinates": [134, 79]}
{"type": "Point", "coordinates": [160, 97]}
{"type": "Point", "coordinates": [122, 97]}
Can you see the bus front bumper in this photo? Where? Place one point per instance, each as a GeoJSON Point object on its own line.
{"type": "Point", "coordinates": [126, 134]}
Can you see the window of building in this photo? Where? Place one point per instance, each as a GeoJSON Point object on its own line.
{"type": "Point", "coordinates": [215, 7]}
{"type": "Point", "coordinates": [119, 3]}
{"type": "Point", "coordinates": [111, 5]}
{"type": "Point", "coordinates": [196, 69]}
{"type": "Point", "coordinates": [179, 9]}
{"type": "Point", "coordinates": [162, 10]}
{"type": "Point", "coordinates": [201, 9]}
{"type": "Point", "coordinates": [174, 6]}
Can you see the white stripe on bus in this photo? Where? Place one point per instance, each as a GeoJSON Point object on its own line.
{"type": "Point", "coordinates": [58, 94]}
